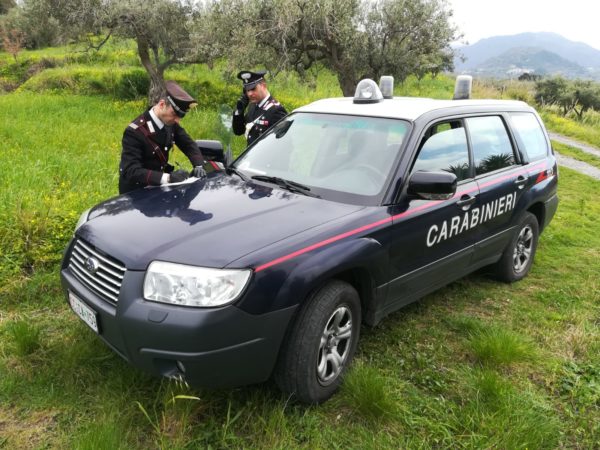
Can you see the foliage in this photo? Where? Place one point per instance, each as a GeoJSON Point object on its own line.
{"type": "Point", "coordinates": [12, 39]}
{"type": "Point", "coordinates": [160, 28]}
{"type": "Point", "coordinates": [5, 5]}
{"type": "Point", "coordinates": [570, 95]}
{"type": "Point", "coordinates": [35, 20]}
{"type": "Point", "coordinates": [353, 38]}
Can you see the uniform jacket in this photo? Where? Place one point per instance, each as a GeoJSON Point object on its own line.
{"type": "Point", "coordinates": [258, 119]}
{"type": "Point", "coordinates": [146, 151]}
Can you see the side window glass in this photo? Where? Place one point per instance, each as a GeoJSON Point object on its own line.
{"type": "Point", "coordinates": [492, 149]}
{"type": "Point", "coordinates": [530, 135]}
{"type": "Point", "coordinates": [444, 147]}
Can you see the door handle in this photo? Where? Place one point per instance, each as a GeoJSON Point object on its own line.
{"type": "Point", "coordinates": [466, 201]}
{"type": "Point", "coordinates": [520, 181]}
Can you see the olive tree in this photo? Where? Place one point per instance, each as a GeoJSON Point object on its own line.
{"type": "Point", "coordinates": [161, 31]}
{"type": "Point", "coordinates": [569, 95]}
{"type": "Point", "coordinates": [353, 38]}
{"type": "Point", "coordinates": [160, 28]}
{"type": "Point", "coordinates": [587, 96]}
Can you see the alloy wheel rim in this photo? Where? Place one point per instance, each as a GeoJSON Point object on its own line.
{"type": "Point", "coordinates": [523, 249]}
{"type": "Point", "coordinates": [334, 345]}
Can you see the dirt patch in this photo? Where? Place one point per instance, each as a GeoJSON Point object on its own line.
{"type": "Point", "coordinates": [39, 66]}
{"type": "Point", "coordinates": [25, 430]}
{"type": "Point", "coordinates": [574, 143]}
{"type": "Point", "coordinates": [579, 166]}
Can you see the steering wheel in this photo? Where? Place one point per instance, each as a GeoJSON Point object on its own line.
{"type": "Point", "coordinates": [374, 173]}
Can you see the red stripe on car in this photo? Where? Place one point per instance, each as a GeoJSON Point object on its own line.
{"type": "Point", "coordinates": [384, 221]}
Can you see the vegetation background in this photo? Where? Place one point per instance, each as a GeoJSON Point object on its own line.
{"type": "Point", "coordinates": [476, 365]}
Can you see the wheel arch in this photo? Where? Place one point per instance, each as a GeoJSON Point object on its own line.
{"type": "Point", "coordinates": [539, 211]}
{"type": "Point", "coordinates": [362, 263]}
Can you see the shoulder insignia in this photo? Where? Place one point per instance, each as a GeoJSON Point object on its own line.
{"type": "Point", "coordinates": [133, 126]}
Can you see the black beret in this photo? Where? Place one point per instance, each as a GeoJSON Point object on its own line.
{"type": "Point", "coordinates": [251, 79]}
{"type": "Point", "coordinates": [180, 100]}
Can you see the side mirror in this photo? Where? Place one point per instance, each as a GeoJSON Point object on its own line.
{"type": "Point", "coordinates": [432, 185]}
{"type": "Point", "coordinates": [212, 150]}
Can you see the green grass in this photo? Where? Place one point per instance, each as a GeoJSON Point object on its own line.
{"type": "Point", "coordinates": [25, 336]}
{"type": "Point", "coordinates": [478, 364]}
{"type": "Point", "coordinates": [498, 346]}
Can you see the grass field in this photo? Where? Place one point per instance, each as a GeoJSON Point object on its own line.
{"type": "Point", "coordinates": [479, 364]}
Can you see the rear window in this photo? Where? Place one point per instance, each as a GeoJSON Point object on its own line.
{"type": "Point", "coordinates": [530, 135]}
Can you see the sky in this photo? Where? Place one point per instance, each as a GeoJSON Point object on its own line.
{"type": "Point", "coordinates": [577, 20]}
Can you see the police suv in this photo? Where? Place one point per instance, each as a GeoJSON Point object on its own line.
{"type": "Point", "coordinates": [345, 211]}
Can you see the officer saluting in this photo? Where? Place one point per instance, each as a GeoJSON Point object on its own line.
{"type": "Point", "coordinates": [147, 142]}
{"type": "Point", "coordinates": [264, 110]}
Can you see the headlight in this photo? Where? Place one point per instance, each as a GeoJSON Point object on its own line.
{"type": "Point", "coordinates": [193, 286]}
{"type": "Point", "coordinates": [83, 218]}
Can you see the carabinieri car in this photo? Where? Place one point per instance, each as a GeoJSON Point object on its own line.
{"type": "Point", "coordinates": [345, 211]}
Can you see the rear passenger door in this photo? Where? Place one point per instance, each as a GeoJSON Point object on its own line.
{"type": "Point", "coordinates": [501, 179]}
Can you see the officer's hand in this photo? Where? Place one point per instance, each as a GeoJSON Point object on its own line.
{"type": "Point", "coordinates": [198, 172]}
{"type": "Point", "coordinates": [178, 176]}
{"type": "Point", "coordinates": [242, 102]}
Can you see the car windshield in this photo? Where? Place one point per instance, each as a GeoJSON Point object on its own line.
{"type": "Point", "coordinates": [342, 158]}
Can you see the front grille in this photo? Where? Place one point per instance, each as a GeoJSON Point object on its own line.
{"type": "Point", "coordinates": [106, 274]}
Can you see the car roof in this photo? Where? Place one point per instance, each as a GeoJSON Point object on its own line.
{"type": "Point", "coordinates": [408, 108]}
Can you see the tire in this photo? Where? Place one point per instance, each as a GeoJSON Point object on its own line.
{"type": "Point", "coordinates": [321, 343]}
{"type": "Point", "coordinates": [517, 258]}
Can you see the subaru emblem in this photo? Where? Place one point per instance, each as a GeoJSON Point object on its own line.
{"type": "Point", "coordinates": [92, 265]}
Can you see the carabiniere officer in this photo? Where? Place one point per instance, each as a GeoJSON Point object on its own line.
{"type": "Point", "coordinates": [148, 140]}
{"type": "Point", "coordinates": [264, 111]}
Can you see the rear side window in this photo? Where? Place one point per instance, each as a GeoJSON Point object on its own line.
{"type": "Point", "coordinates": [492, 149]}
{"type": "Point", "coordinates": [530, 135]}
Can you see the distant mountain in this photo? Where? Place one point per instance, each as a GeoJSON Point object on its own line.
{"type": "Point", "coordinates": [539, 53]}
{"type": "Point", "coordinates": [518, 60]}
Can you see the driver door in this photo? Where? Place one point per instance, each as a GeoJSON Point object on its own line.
{"type": "Point", "coordinates": [432, 239]}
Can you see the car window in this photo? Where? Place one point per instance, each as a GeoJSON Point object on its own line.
{"type": "Point", "coordinates": [492, 149]}
{"type": "Point", "coordinates": [444, 147]}
{"type": "Point", "coordinates": [530, 135]}
{"type": "Point", "coordinates": [346, 154]}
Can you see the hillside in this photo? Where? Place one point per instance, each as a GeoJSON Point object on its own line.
{"type": "Point", "coordinates": [542, 53]}
{"type": "Point", "coordinates": [518, 60]}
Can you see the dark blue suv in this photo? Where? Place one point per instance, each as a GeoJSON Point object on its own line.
{"type": "Point", "coordinates": [345, 211]}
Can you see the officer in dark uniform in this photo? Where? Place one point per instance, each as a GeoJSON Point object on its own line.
{"type": "Point", "coordinates": [264, 110]}
{"type": "Point", "coordinates": [147, 142]}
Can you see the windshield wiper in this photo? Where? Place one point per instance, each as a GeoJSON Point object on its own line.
{"type": "Point", "coordinates": [237, 172]}
{"type": "Point", "coordinates": [291, 186]}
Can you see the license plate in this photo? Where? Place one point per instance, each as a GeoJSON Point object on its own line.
{"type": "Point", "coordinates": [85, 313]}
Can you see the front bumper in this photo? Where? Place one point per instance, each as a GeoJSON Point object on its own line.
{"type": "Point", "coordinates": [216, 347]}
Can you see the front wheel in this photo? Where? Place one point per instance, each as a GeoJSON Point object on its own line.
{"type": "Point", "coordinates": [321, 344]}
{"type": "Point", "coordinates": [517, 258]}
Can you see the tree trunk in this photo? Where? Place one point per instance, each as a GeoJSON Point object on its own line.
{"type": "Point", "coordinates": [155, 72]}
{"type": "Point", "coordinates": [347, 83]}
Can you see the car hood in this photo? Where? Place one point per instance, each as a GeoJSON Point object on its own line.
{"type": "Point", "coordinates": [210, 222]}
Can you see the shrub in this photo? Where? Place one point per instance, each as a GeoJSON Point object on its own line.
{"type": "Point", "coordinates": [498, 346]}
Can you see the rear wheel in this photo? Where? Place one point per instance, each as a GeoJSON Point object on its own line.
{"type": "Point", "coordinates": [517, 258]}
{"type": "Point", "coordinates": [321, 344]}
